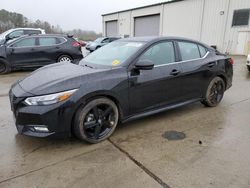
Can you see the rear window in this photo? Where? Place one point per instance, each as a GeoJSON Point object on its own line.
{"type": "Point", "coordinates": [47, 41]}
{"type": "Point", "coordinates": [189, 50]}
{"type": "Point", "coordinates": [203, 50]}
{"type": "Point", "coordinates": [60, 40]}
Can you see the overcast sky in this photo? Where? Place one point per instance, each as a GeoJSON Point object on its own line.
{"type": "Point", "coordinates": [71, 14]}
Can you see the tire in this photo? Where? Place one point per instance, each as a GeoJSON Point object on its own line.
{"type": "Point", "coordinates": [4, 67]}
{"type": "Point", "coordinates": [64, 58]}
{"type": "Point", "coordinates": [248, 67]}
{"type": "Point", "coordinates": [98, 47]}
{"type": "Point", "coordinates": [96, 121]}
{"type": "Point", "coordinates": [215, 92]}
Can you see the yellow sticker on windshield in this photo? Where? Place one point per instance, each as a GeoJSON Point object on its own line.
{"type": "Point", "coordinates": [115, 62]}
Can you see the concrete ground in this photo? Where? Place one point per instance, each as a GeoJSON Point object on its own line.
{"type": "Point", "coordinates": [214, 153]}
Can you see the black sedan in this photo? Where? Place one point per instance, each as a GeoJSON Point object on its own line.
{"type": "Point", "coordinates": [38, 50]}
{"type": "Point", "coordinates": [126, 79]}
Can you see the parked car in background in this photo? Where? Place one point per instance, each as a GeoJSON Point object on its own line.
{"type": "Point", "coordinates": [248, 62]}
{"type": "Point", "coordinates": [124, 80]}
{"type": "Point", "coordinates": [92, 46]}
{"type": "Point", "coordinates": [34, 51]}
{"type": "Point", "coordinates": [17, 32]}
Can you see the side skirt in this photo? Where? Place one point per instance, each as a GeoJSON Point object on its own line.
{"type": "Point", "coordinates": [158, 110]}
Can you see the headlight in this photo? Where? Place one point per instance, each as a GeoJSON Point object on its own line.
{"type": "Point", "coordinates": [50, 99]}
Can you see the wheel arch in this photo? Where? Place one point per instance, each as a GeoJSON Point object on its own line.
{"type": "Point", "coordinates": [223, 77]}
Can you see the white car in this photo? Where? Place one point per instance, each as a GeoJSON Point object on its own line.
{"type": "Point", "coordinates": [248, 62]}
{"type": "Point", "coordinates": [17, 32]}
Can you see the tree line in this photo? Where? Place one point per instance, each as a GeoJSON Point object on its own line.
{"type": "Point", "coordinates": [9, 20]}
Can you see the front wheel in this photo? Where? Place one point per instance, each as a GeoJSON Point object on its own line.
{"type": "Point", "coordinates": [96, 121]}
{"type": "Point", "coordinates": [248, 67]}
{"type": "Point", "coordinates": [215, 92]}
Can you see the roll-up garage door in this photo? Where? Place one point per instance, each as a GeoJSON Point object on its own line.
{"type": "Point", "coordinates": [147, 25]}
{"type": "Point", "coordinates": [111, 28]}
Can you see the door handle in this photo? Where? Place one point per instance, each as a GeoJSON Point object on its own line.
{"type": "Point", "coordinates": [211, 64]}
{"type": "Point", "coordinates": [32, 49]}
{"type": "Point", "coordinates": [175, 72]}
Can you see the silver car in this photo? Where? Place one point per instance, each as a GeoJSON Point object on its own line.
{"type": "Point", "coordinates": [99, 42]}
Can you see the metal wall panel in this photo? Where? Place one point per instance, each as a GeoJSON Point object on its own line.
{"type": "Point", "coordinates": [147, 25]}
{"type": "Point", "coordinates": [111, 28]}
{"type": "Point", "coordinates": [214, 22]}
{"type": "Point", "coordinates": [183, 19]}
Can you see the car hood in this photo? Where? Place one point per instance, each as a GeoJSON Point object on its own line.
{"type": "Point", "coordinates": [56, 78]}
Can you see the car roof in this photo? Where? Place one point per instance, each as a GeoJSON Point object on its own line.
{"type": "Point", "coordinates": [42, 35]}
{"type": "Point", "coordinates": [35, 35]}
{"type": "Point", "coordinates": [160, 38]}
{"type": "Point", "coordinates": [25, 28]}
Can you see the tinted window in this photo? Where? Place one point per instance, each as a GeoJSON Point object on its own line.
{"type": "Point", "coordinates": [161, 53]}
{"type": "Point", "coordinates": [29, 42]}
{"type": "Point", "coordinates": [203, 51]}
{"type": "Point", "coordinates": [15, 34]}
{"type": "Point", "coordinates": [60, 40]}
{"type": "Point", "coordinates": [189, 50]}
{"type": "Point", "coordinates": [47, 41]}
{"type": "Point", "coordinates": [241, 17]}
{"type": "Point", "coordinates": [28, 32]}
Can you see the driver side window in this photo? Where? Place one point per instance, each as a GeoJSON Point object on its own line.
{"type": "Point", "coordinates": [161, 53]}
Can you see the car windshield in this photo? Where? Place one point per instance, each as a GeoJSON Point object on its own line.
{"type": "Point", "coordinates": [113, 54]}
{"type": "Point", "coordinates": [2, 35]}
{"type": "Point", "coordinates": [98, 40]}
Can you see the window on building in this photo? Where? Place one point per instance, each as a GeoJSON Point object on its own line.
{"type": "Point", "coordinates": [160, 53]}
{"type": "Point", "coordinates": [241, 17]}
{"type": "Point", "coordinates": [189, 51]}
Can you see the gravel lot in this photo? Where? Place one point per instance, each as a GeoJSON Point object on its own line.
{"type": "Point", "coordinates": [212, 150]}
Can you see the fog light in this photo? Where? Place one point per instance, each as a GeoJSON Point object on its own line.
{"type": "Point", "coordinates": [41, 129]}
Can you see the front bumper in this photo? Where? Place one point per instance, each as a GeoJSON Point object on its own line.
{"type": "Point", "coordinates": [91, 48]}
{"type": "Point", "coordinates": [40, 121]}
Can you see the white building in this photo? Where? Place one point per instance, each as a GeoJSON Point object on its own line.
{"type": "Point", "coordinates": [223, 23]}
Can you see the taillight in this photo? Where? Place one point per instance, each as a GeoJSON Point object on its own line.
{"type": "Point", "coordinates": [231, 61]}
{"type": "Point", "coordinates": [76, 44]}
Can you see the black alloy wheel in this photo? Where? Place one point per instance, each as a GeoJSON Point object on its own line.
{"type": "Point", "coordinates": [96, 121]}
{"type": "Point", "coordinates": [215, 92]}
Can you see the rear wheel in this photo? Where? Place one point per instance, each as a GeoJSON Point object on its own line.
{"type": "Point", "coordinates": [96, 121]}
{"type": "Point", "coordinates": [215, 92]}
{"type": "Point", "coordinates": [64, 58]}
{"type": "Point", "coordinates": [4, 66]}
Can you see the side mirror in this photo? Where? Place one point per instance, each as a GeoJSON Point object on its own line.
{"type": "Point", "coordinates": [7, 38]}
{"type": "Point", "coordinates": [144, 65]}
